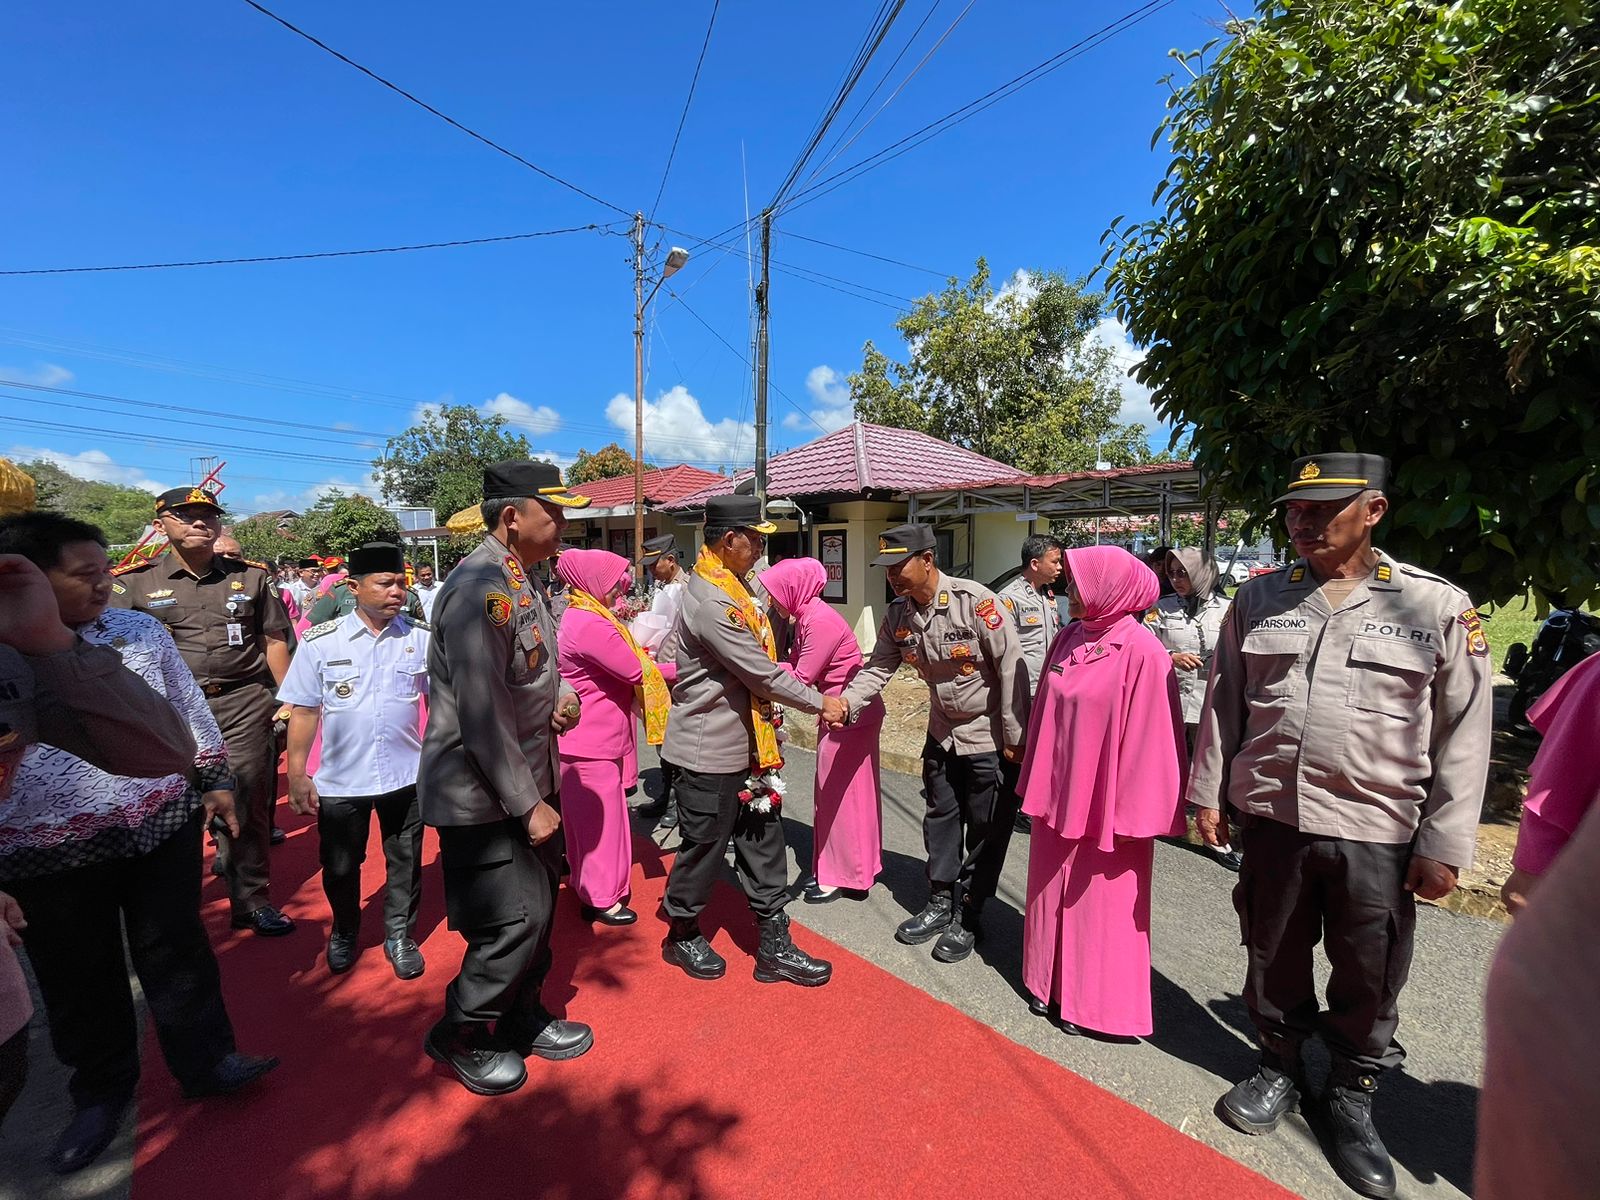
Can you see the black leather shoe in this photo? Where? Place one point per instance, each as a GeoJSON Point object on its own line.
{"type": "Point", "coordinates": [1021, 824]}
{"type": "Point", "coordinates": [959, 937]}
{"type": "Point", "coordinates": [1260, 1102]}
{"type": "Point", "coordinates": [342, 951]}
{"type": "Point", "coordinates": [265, 921]}
{"type": "Point", "coordinates": [483, 1065]}
{"type": "Point", "coordinates": [815, 893]}
{"type": "Point", "coordinates": [404, 956]}
{"type": "Point", "coordinates": [233, 1073]}
{"type": "Point", "coordinates": [86, 1136]}
{"type": "Point", "coordinates": [1231, 861]}
{"type": "Point", "coordinates": [1038, 1007]}
{"type": "Point", "coordinates": [1359, 1155]}
{"type": "Point", "coordinates": [277, 837]}
{"type": "Point", "coordinates": [687, 948]}
{"type": "Point", "coordinates": [778, 958]}
{"type": "Point", "coordinates": [555, 1040]}
{"type": "Point", "coordinates": [621, 915]}
{"type": "Point", "coordinates": [933, 920]}
{"type": "Point", "coordinates": [669, 819]}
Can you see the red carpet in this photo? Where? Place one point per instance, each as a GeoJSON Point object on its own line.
{"type": "Point", "coordinates": [865, 1088]}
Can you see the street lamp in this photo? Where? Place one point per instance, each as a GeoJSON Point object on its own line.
{"type": "Point", "coordinates": [676, 257]}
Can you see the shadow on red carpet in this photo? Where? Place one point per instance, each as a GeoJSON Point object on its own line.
{"type": "Point", "coordinates": [733, 1089]}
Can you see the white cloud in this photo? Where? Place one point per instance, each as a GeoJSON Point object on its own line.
{"type": "Point", "coordinates": [42, 374]}
{"type": "Point", "coordinates": [521, 415]}
{"type": "Point", "coordinates": [88, 464]}
{"type": "Point", "coordinates": [676, 430]}
{"type": "Point", "coordinates": [832, 408]}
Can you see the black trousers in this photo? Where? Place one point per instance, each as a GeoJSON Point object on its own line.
{"type": "Point", "coordinates": [710, 815]}
{"type": "Point", "coordinates": [669, 777]}
{"type": "Point", "coordinates": [1296, 889]}
{"type": "Point", "coordinates": [74, 939]}
{"type": "Point", "coordinates": [967, 799]}
{"type": "Point", "coordinates": [499, 894]}
{"type": "Point", "coordinates": [342, 825]}
{"type": "Point", "coordinates": [245, 717]}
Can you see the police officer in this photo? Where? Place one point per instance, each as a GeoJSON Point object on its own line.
{"type": "Point", "coordinates": [364, 676]}
{"type": "Point", "coordinates": [1037, 619]}
{"type": "Point", "coordinates": [1347, 725]}
{"type": "Point", "coordinates": [957, 636]}
{"type": "Point", "coordinates": [232, 631]}
{"type": "Point", "coordinates": [721, 735]}
{"type": "Point", "coordinates": [488, 783]}
{"type": "Point", "coordinates": [661, 555]}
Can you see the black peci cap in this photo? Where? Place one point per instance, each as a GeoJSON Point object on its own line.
{"type": "Point", "coordinates": [1335, 476]}
{"type": "Point", "coordinates": [737, 512]}
{"type": "Point", "coordinates": [516, 478]}
{"type": "Point", "coordinates": [377, 558]}
{"type": "Point", "coordinates": [902, 542]}
{"type": "Point", "coordinates": [181, 497]}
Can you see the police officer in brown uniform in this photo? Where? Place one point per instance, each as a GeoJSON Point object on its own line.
{"type": "Point", "coordinates": [488, 782]}
{"type": "Point", "coordinates": [955, 635]}
{"type": "Point", "coordinates": [1347, 725]}
{"type": "Point", "coordinates": [232, 630]}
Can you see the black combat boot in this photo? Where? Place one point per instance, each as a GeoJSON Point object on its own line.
{"type": "Point", "coordinates": [687, 948]}
{"type": "Point", "coordinates": [1259, 1103]}
{"type": "Point", "coordinates": [960, 936]}
{"type": "Point", "coordinates": [931, 921]}
{"type": "Point", "coordinates": [778, 958]}
{"type": "Point", "coordinates": [482, 1063]}
{"type": "Point", "coordinates": [1358, 1153]}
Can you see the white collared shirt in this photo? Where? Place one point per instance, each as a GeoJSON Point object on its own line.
{"type": "Point", "coordinates": [426, 596]}
{"type": "Point", "coordinates": [369, 687]}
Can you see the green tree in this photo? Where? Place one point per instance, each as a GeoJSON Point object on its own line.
{"type": "Point", "coordinates": [1012, 374]}
{"type": "Point", "coordinates": [337, 524]}
{"type": "Point", "coordinates": [438, 462]}
{"type": "Point", "coordinates": [1378, 231]}
{"type": "Point", "coordinates": [608, 462]}
{"type": "Point", "coordinates": [122, 513]}
{"type": "Point", "coordinates": [262, 540]}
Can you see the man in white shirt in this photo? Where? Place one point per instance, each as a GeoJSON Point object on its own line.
{"type": "Point", "coordinates": [427, 589]}
{"type": "Point", "coordinates": [661, 555]}
{"type": "Point", "coordinates": [363, 676]}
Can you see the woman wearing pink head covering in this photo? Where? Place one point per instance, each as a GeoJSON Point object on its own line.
{"type": "Point", "coordinates": [1102, 778]}
{"type": "Point", "coordinates": [847, 852]}
{"type": "Point", "coordinates": [599, 661]}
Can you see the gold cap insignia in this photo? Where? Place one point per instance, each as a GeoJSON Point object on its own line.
{"type": "Point", "coordinates": [1310, 471]}
{"type": "Point", "coordinates": [883, 545]}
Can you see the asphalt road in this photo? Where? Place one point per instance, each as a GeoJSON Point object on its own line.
{"type": "Point", "coordinates": [1200, 1048]}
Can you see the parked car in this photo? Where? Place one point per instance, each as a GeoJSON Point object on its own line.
{"type": "Point", "coordinates": [1236, 572]}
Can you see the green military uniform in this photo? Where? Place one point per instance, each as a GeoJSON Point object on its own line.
{"type": "Point", "coordinates": [340, 601]}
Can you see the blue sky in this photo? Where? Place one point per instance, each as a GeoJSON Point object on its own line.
{"type": "Point", "coordinates": [192, 130]}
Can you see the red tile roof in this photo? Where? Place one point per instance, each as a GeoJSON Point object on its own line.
{"type": "Point", "coordinates": [661, 486]}
{"type": "Point", "coordinates": [1040, 481]}
{"type": "Point", "coordinates": [862, 458]}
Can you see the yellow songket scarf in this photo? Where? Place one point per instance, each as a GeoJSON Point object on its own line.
{"type": "Point", "coordinates": [653, 695]}
{"type": "Point", "coordinates": [709, 567]}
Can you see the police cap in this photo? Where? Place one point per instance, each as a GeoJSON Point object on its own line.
{"type": "Point", "coordinates": [1335, 476]}
{"type": "Point", "coordinates": [182, 497]}
{"type": "Point", "coordinates": [516, 478]}
{"type": "Point", "coordinates": [737, 512]}
{"type": "Point", "coordinates": [902, 542]}
{"type": "Point", "coordinates": [658, 547]}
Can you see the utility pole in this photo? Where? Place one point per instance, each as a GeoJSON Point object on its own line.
{"type": "Point", "coordinates": [763, 294]}
{"type": "Point", "coordinates": [638, 392]}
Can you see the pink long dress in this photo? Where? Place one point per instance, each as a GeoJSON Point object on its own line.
{"type": "Point", "coordinates": [847, 850]}
{"type": "Point", "coordinates": [1102, 778]}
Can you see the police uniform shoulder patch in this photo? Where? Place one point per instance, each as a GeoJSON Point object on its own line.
{"type": "Point", "coordinates": [321, 630]}
{"type": "Point", "coordinates": [989, 615]}
{"type": "Point", "coordinates": [130, 568]}
{"type": "Point", "coordinates": [1297, 573]}
{"type": "Point", "coordinates": [944, 599]}
{"type": "Point", "coordinates": [1385, 573]}
{"type": "Point", "coordinates": [497, 607]}
{"type": "Point", "coordinates": [119, 589]}
{"type": "Point", "coordinates": [735, 617]}
{"type": "Point", "coordinates": [1477, 642]}
{"type": "Point", "coordinates": [260, 566]}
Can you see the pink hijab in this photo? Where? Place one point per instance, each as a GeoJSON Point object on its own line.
{"type": "Point", "coordinates": [1564, 780]}
{"type": "Point", "coordinates": [795, 583]}
{"type": "Point", "coordinates": [1105, 753]}
{"type": "Point", "coordinates": [597, 572]}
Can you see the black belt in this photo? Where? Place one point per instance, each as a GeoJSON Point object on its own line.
{"type": "Point", "coordinates": [220, 689]}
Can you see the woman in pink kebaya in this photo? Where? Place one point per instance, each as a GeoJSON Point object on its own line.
{"type": "Point", "coordinates": [1102, 778]}
{"type": "Point", "coordinates": [847, 849]}
{"type": "Point", "coordinates": [614, 680]}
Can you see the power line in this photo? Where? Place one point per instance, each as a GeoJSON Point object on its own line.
{"type": "Point", "coordinates": [423, 104]}
{"type": "Point", "coordinates": [270, 258]}
{"type": "Point", "coordinates": [972, 108]}
{"type": "Point", "coordinates": [687, 100]}
{"type": "Point", "coordinates": [800, 272]}
{"type": "Point", "coordinates": [746, 362]}
{"type": "Point", "coordinates": [866, 254]}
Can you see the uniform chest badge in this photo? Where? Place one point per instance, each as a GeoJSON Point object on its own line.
{"type": "Point", "coordinates": [1009, 603]}
{"type": "Point", "coordinates": [968, 668]}
{"type": "Point", "coordinates": [1034, 621]}
{"type": "Point", "coordinates": [989, 614]}
{"type": "Point", "coordinates": [497, 607]}
{"type": "Point", "coordinates": [961, 651]}
{"type": "Point", "coordinates": [524, 601]}
{"type": "Point", "coordinates": [235, 585]}
{"type": "Point", "coordinates": [343, 691]}
{"type": "Point", "coordinates": [155, 595]}
{"type": "Point", "coordinates": [902, 635]}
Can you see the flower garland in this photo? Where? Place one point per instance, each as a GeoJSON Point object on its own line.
{"type": "Point", "coordinates": [763, 791]}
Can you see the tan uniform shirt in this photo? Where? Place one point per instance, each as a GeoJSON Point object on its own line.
{"type": "Point", "coordinates": [1170, 621]}
{"type": "Point", "coordinates": [220, 620]}
{"type": "Point", "coordinates": [1371, 723]}
{"type": "Point", "coordinates": [964, 647]}
{"type": "Point", "coordinates": [720, 664]}
{"type": "Point", "coordinates": [489, 752]}
{"type": "Point", "coordinates": [1037, 620]}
